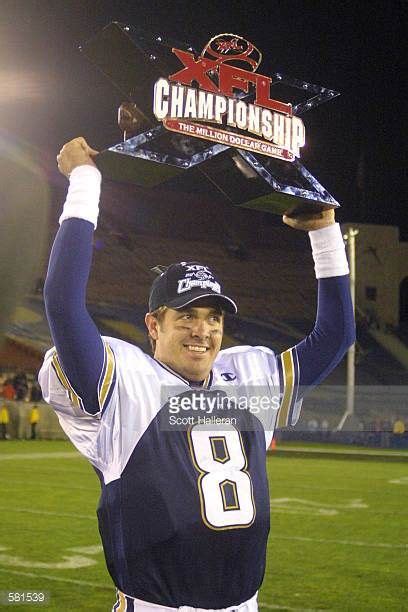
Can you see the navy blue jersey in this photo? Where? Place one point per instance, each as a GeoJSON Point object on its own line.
{"type": "Point", "coordinates": [184, 509]}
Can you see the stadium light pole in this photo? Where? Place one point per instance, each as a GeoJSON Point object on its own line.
{"type": "Point", "coordinates": [350, 238]}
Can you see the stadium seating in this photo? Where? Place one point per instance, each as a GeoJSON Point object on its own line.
{"type": "Point", "coordinates": [270, 285]}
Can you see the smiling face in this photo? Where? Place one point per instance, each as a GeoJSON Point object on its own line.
{"type": "Point", "coordinates": [189, 339]}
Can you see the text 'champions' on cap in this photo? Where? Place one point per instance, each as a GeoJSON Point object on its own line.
{"type": "Point", "coordinates": [183, 283]}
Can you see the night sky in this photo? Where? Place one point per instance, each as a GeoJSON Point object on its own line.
{"type": "Point", "coordinates": [355, 144]}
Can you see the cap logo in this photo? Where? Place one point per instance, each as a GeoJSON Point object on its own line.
{"type": "Point", "coordinates": [201, 275]}
{"type": "Point", "coordinates": [186, 284]}
{"type": "Point", "coordinates": [183, 283]}
{"type": "Point", "coordinates": [196, 268]}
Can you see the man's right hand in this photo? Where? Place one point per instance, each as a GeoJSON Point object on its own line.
{"type": "Point", "coordinates": [75, 153]}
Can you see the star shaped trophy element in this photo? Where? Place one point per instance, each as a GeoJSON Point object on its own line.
{"type": "Point", "coordinates": [193, 117]}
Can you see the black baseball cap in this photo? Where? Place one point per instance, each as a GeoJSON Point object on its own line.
{"type": "Point", "coordinates": [185, 282]}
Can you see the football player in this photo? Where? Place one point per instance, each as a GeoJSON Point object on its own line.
{"type": "Point", "coordinates": [179, 439]}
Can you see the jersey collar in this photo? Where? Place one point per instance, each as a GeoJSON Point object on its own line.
{"type": "Point", "coordinates": [205, 384]}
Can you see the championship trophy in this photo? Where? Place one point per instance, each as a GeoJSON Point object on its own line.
{"type": "Point", "coordinates": [191, 117]}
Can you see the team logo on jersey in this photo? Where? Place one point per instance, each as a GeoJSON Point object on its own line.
{"type": "Point", "coordinates": [219, 96]}
{"type": "Point", "coordinates": [228, 376]}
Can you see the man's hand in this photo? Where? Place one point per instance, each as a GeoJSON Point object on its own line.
{"type": "Point", "coordinates": [311, 221]}
{"type": "Point", "coordinates": [75, 153]}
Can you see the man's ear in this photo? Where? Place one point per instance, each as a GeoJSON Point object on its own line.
{"type": "Point", "coordinates": [152, 324]}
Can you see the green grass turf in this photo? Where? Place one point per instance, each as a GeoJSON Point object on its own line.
{"type": "Point", "coordinates": [325, 552]}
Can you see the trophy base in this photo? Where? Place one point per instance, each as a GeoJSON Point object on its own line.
{"type": "Point", "coordinates": [243, 179]}
{"type": "Point", "coordinates": [282, 204]}
{"type": "Point", "coordinates": [136, 170]}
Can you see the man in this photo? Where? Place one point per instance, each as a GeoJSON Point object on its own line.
{"type": "Point", "coordinates": [34, 418]}
{"type": "Point", "coordinates": [184, 509]}
{"type": "Point", "coordinates": [4, 422]}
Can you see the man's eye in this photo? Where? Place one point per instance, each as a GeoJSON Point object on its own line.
{"type": "Point", "coordinates": [186, 315]}
{"type": "Point", "coordinates": [215, 319]}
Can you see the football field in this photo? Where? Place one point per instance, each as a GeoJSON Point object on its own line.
{"type": "Point", "coordinates": [339, 534]}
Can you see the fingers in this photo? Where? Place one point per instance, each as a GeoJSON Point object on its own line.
{"type": "Point", "coordinates": [80, 140]}
{"type": "Point", "coordinates": [75, 153]}
{"type": "Point", "coordinates": [92, 152]}
{"type": "Point", "coordinates": [310, 221]}
{"type": "Point", "coordinates": [62, 165]}
{"type": "Point", "coordinates": [291, 221]}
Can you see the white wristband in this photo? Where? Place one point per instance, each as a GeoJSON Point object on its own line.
{"type": "Point", "coordinates": [83, 194]}
{"type": "Point", "coordinates": [328, 250]}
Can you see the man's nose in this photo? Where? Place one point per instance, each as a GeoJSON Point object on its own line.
{"type": "Point", "coordinates": [200, 328]}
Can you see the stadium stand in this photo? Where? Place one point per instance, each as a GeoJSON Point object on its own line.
{"type": "Point", "coordinates": [268, 286]}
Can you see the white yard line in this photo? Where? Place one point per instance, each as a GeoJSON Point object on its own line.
{"type": "Point", "coordinates": [341, 451]}
{"type": "Point", "coordinates": [58, 579]}
{"type": "Point", "coordinates": [344, 542]}
{"type": "Point", "coordinates": [30, 456]}
{"type": "Point", "coordinates": [49, 513]}
{"type": "Point", "coordinates": [7, 484]}
{"type": "Point", "coordinates": [277, 607]}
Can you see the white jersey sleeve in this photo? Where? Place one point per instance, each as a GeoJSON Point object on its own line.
{"type": "Point", "coordinates": [269, 382]}
{"type": "Point", "coordinates": [58, 390]}
{"type": "Point", "coordinates": [133, 391]}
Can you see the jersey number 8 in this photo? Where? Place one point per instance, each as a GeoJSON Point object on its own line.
{"type": "Point", "coordinates": [224, 485]}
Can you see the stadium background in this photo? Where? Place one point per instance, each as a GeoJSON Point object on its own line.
{"type": "Point", "coordinates": [339, 535]}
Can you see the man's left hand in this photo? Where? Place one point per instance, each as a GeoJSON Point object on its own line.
{"type": "Point", "coordinates": [75, 153]}
{"type": "Point", "coordinates": [311, 221]}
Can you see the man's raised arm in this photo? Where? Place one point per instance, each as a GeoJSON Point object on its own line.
{"type": "Point", "coordinates": [80, 350]}
{"type": "Point", "coordinates": [312, 359]}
